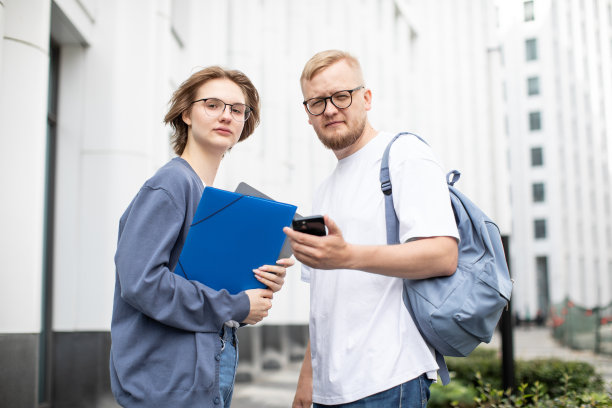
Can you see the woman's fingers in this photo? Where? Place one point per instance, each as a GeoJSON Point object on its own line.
{"type": "Point", "coordinates": [273, 280]}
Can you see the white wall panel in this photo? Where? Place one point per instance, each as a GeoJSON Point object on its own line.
{"type": "Point", "coordinates": [23, 112]}
{"type": "Point", "coordinates": [1, 35]}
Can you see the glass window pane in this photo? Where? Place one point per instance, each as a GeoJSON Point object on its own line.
{"type": "Point", "coordinates": [538, 192]}
{"type": "Point", "coordinates": [533, 86]}
{"type": "Point", "coordinates": [539, 227]}
{"type": "Point", "coordinates": [531, 49]}
{"type": "Point", "coordinates": [535, 121]}
{"type": "Point", "coordinates": [529, 10]}
{"type": "Point", "coordinates": [537, 156]}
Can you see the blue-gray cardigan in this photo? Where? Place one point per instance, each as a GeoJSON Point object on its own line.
{"type": "Point", "coordinates": [165, 343]}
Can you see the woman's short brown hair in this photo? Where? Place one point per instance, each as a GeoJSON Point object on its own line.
{"type": "Point", "coordinates": [186, 93]}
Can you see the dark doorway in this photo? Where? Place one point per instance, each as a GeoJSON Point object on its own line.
{"type": "Point", "coordinates": [543, 288]}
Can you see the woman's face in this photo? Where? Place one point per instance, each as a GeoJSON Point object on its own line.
{"type": "Point", "coordinates": [212, 133]}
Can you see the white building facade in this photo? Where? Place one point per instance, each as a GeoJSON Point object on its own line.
{"type": "Point", "coordinates": [84, 85]}
{"type": "Point", "coordinates": [557, 80]}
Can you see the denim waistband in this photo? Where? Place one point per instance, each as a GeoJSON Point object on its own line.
{"type": "Point", "coordinates": [228, 333]}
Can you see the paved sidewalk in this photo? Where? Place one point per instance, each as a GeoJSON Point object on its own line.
{"type": "Point", "coordinates": [275, 389]}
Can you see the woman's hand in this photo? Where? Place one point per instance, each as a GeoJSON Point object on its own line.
{"type": "Point", "coordinates": [260, 301]}
{"type": "Point", "coordinates": [273, 276]}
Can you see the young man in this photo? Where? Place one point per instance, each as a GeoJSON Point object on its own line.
{"type": "Point", "coordinates": [364, 349]}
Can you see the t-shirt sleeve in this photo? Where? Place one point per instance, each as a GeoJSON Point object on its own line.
{"type": "Point", "coordinates": [306, 271]}
{"type": "Point", "coordinates": [147, 236]}
{"type": "Point", "coordinates": [420, 193]}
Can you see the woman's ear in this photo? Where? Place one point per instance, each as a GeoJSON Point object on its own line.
{"type": "Point", "coordinates": [186, 116]}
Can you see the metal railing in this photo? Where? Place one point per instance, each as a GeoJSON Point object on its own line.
{"type": "Point", "coordinates": [581, 328]}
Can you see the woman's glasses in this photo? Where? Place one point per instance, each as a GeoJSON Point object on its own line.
{"type": "Point", "coordinates": [215, 107]}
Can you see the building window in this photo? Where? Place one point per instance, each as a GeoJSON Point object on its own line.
{"type": "Point", "coordinates": [535, 121]}
{"type": "Point", "coordinates": [537, 156]}
{"type": "Point", "coordinates": [539, 229]}
{"type": "Point", "coordinates": [531, 49]}
{"type": "Point", "coordinates": [533, 86]}
{"type": "Point", "coordinates": [528, 6]}
{"type": "Point", "coordinates": [537, 190]}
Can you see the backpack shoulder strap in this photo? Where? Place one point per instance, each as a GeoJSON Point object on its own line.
{"type": "Point", "coordinates": [393, 227]}
{"type": "Point", "coordinates": [385, 186]}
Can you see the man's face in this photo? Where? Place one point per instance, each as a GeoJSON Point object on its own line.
{"type": "Point", "coordinates": [338, 128]}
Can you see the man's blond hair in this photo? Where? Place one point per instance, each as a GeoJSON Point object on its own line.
{"type": "Point", "coordinates": [324, 59]}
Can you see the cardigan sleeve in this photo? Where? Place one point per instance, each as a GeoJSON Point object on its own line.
{"type": "Point", "coordinates": [147, 236]}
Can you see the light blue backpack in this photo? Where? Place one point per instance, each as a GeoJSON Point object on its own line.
{"type": "Point", "coordinates": [456, 313]}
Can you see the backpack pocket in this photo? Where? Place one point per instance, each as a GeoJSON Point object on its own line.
{"type": "Point", "coordinates": [482, 307]}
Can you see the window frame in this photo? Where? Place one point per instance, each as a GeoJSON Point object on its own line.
{"type": "Point", "coordinates": [538, 192]}
{"type": "Point", "coordinates": [535, 121]}
{"type": "Point", "coordinates": [531, 49]}
{"type": "Point", "coordinates": [540, 228]}
{"type": "Point", "coordinates": [533, 86]}
{"type": "Point", "coordinates": [528, 10]}
{"type": "Point", "coordinates": [537, 152]}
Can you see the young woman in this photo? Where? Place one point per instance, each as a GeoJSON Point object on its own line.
{"type": "Point", "coordinates": [173, 340]}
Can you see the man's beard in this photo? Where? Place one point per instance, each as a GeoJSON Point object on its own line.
{"type": "Point", "coordinates": [342, 142]}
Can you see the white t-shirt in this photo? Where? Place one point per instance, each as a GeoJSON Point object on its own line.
{"type": "Point", "coordinates": [363, 340]}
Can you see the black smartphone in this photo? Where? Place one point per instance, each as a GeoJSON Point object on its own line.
{"type": "Point", "coordinates": [313, 225]}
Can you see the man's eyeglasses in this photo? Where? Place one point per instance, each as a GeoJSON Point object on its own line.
{"type": "Point", "coordinates": [340, 99]}
{"type": "Point", "coordinates": [215, 107]}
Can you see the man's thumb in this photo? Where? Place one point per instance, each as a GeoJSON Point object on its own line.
{"type": "Point", "coordinates": [332, 228]}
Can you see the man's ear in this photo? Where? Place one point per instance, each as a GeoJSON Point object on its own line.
{"type": "Point", "coordinates": [367, 96]}
{"type": "Point", "coordinates": [186, 116]}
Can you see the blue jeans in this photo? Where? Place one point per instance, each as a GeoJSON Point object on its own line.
{"type": "Point", "coordinates": [227, 364]}
{"type": "Point", "coordinates": [411, 394]}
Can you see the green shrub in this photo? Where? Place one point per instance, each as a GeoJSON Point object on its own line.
{"type": "Point", "coordinates": [483, 360]}
{"type": "Point", "coordinates": [455, 394]}
{"type": "Point", "coordinates": [536, 396]}
{"type": "Point", "coordinates": [547, 372]}
{"type": "Point", "coordinates": [546, 383]}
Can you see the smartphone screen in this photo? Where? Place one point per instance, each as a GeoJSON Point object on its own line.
{"type": "Point", "coordinates": [313, 225]}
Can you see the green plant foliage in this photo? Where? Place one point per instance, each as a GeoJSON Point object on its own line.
{"type": "Point", "coordinates": [455, 394]}
{"type": "Point", "coordinates": [545, 383]}
{"type": "Point", "coordinates": [548, 372]}
{"type": "Point", "coordinates": [536, 396]}
{"type": "Point", "coordinates": [483, 360]}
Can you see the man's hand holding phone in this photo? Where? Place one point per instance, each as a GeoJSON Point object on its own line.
{"type": "Point", "coordinates": [313, 225]}
{"type": "Point", "coordinates": [329, 251]}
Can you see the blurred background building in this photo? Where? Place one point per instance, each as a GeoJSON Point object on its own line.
{"type": "Point", "coordinates": [557, 91]}
{"type": "Point", "coordinates": [84, 86]}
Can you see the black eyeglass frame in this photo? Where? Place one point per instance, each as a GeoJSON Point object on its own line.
{"type": "Point", "coordinates": [331, 99]}
{"type": "Point", "coordinates": [247, 111]}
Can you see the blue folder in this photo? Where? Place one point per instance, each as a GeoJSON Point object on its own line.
{"type": "Point", "coordinates": [244, 188]}
{"type": "Point", "coordinates": [232, 234]}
